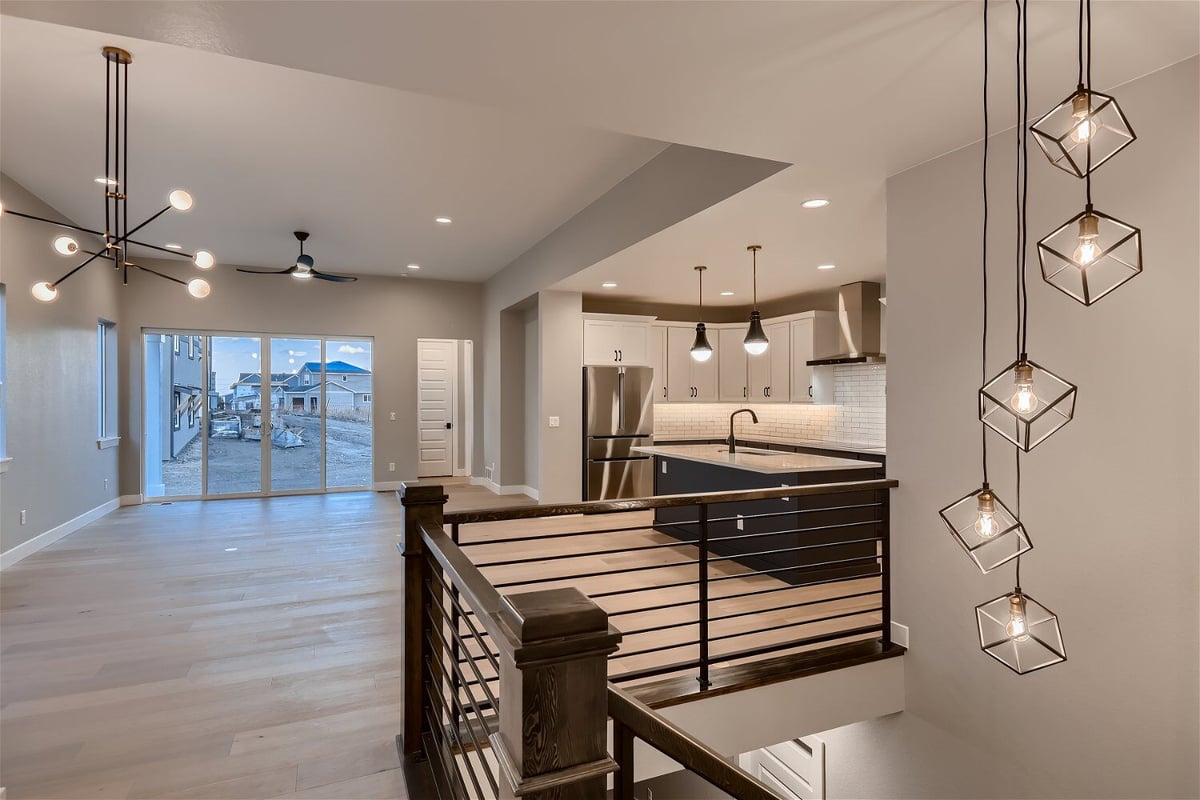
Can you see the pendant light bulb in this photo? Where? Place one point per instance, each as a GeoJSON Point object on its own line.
{"type": "Point", "coordinates": [44, 292]}
{"type": "Point", "coordinates": [701, 350]}
{"type": "Point", "coordinates": [756, 342]}
{"type": "Point", "coordinates": [204, 259]}
{"type": "Point", "coordinates": [985, 524]}
{"type": "Point", "coordinates": [1023, 401]}
{"type": "Point", "coordinates": [1017, 627]}
{"type": "Point", "coordinates": [198, 288]}
{"type": "Point", "coordinates": [66, 246]}
{"type": "Point", "coordinates": [1081, 110]}
{"type": "Point", "coordinates": [180, 200]}
{"type": "Point", "coordinates": [1089, 234]}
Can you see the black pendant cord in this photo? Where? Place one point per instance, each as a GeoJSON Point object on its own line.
{"type": "Point", "coordinates": [107, 132]}
{"type": "Point", "coordinates": [754, 277]}
{"type": "Point", "coordinates": [1017, 508]}
{"type": "Point", "coordinates": [1023, 173]}
{"type": "Point", "coordinates": [986, 131]}
{"type": "Point", "coordinates": [1087, 4]}
{"type": "Point", "coordinates": [700, 311]}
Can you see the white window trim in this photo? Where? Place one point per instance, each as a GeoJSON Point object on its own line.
{"type": "Point", "coordinates": [107, 442]}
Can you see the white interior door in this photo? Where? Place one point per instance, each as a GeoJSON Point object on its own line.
{"type": "Point", "coordinates": [437, 369]}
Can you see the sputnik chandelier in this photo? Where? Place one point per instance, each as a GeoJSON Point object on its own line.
{"type": "Point", "coordinates": [117, 232]}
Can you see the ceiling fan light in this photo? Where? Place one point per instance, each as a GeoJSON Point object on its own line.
{"type": "Point", "coordinates": [302, 273]}
{"type": "Point", "coordinates": [204, 259]}
{"type": "Point", "coordinates": [304, 262]}
{"type": "Point", "coordinates": [44, 292]}
{"type": "Point", "coordinates": [180, 200]}
{"type": "Point", "coordinates": [65, 246]}
{"type": "Point", "coordinates": [199, 288]}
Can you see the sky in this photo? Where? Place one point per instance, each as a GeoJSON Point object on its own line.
{"type": "Point", "coordinates": [233, 355]}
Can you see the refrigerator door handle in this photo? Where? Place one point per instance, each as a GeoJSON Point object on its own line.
{"type": "Point", "coordinates": [621, 399]}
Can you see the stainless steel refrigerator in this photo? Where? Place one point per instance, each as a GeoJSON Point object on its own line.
{"type": "Point", "coordinates": [618, 415]}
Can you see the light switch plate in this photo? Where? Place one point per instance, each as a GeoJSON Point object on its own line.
{"type": "Point", "coordinates": [554, 422]}
{"type": "Point", "coordinates": [392, 416]}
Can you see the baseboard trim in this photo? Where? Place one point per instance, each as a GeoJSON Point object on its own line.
{"type": "Point", "coordinates": [392, 486]}
{"type": "Point", "coordinates": [130, 500]}
{"type": "Point", "coordinates": [461, 473]}
{"type": "Point", "coordinates": [496, 488]}
{"type": "Point", "coordinates": [47, 538]}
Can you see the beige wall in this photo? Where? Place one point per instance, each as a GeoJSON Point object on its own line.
{"type": "Point", "coordinates": [395, 311]}
{"type": "Point", "coordinates": [1110, 501]}
{"type": "Point", "coordinates": [532, 402]}
{"type": "Point", "coordinates": [561, 395]}
{"type": "Point", "coordinates": [57, 472]}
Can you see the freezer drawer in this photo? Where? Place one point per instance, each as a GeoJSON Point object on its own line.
{"type": "Point", "coordinates": [616, 447]}
{"type": "Point", "coordinates": [620, 479]}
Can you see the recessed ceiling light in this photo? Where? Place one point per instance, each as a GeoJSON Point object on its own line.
{"type": "Point", "coordinates": [726, 294]}
{"type": "Point", "coordinates": [815, 202]}
{"type": "Point", "coordinates": [414, 266]}
{"type": "Point", "coordinates": [443, 220]}
{"type": "Point", "coordinates": [173, 246]}
{"type": "Point", "coordinates": [827, 266]}
{"type": "Point", "coordinates": [609, 285]}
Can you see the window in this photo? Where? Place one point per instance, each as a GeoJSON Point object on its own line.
{"type": "Point", "coordinates": [307, 379]}
{"type": "Point", "coordinates": [106, 380]}
{"type": "Point", "coordinates": [191, 411]}
{"type": "Point", "coordinates": [366, 398]}
{"type": "Point", "coordinates": [191, 348]}
{"type": "Point", "coordinates": [176, 344]}
{"type": "Point", "coordinates": [177, 416]}
{"type": "Point", "coordinates": [345, 377]}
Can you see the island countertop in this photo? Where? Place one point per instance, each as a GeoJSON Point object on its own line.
{"type": "Point", "coordinates": [816, 444]}
{"type": "Point", "coordinates": [754, 460]}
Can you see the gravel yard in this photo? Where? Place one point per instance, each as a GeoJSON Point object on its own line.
{"type": "Point", "coordinates": [234, 465]}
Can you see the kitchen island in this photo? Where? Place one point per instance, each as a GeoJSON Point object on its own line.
{"type": "Point", "coordinates": [796, 539]}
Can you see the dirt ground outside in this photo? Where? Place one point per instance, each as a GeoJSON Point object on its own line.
{"type": "Point", "coordinates": [234, 465]}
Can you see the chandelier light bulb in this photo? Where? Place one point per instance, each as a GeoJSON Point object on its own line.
{"type": "Point", "coordinates": [204, 259]}
{"type": "Point", "coordinates": [66, 246]}
{"type": "Point", "coordinates": [1085, 128]}
{"type": "Point", "coordinates": [1017, 628]}
{"type": "Point", "coordinates": [198, 288]}
{"type": "Point", "coordinates": [45, 292]}
{"type": "Point", "coordinates": [302, 273]}
{"type": "Point", "coordinates": [180, 200]}
{"type": "Point", "coordinates": [985, 524]}
{"type": "Point", "coordinates": [1089, 245]}
{"type": "Point", "coordinates": [1023, 401]}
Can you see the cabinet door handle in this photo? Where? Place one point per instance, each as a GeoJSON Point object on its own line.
{"type": "Point", "coordinates": [745, 392]}
{"type": "Point", "coordinates": [620, 356]}
{"type": "Point", "coordinates": [664, 393]}
{"type": "Point", "coordinates": [768, 391]}
{"type": "Point", "coordinates": [614, 355]}
{"type": "Point", "coordinates": [810, 390]}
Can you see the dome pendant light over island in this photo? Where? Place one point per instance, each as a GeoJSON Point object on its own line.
{"type": "Point", "coordinates": [701, 350]}
{"type": "Point", "coordinates": [756, 342]}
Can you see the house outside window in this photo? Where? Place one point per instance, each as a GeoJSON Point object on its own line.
{"type": "Point", "coordinates": [192, 347]}
{"type": "Point", "coordinates": [307, 379]}
{"type": "Point", "coordinates": [177, 416]}
{"type": "Point", "coordinates": [106, 379]}
{"type": "Point", "coordinates": [175, 344]}
{"type": "Point", "coordinates": [191, 412]}
{"type": "Point", "coordinates": [366, 398]}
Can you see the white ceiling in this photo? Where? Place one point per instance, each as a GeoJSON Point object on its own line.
{"type": "Point", "coordinates": [266, 150]}
{"type": "Point", "coordinates": [850, 92]}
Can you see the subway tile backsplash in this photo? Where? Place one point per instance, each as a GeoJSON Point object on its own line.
{"type": "Point", "coordinates": [857, 416]}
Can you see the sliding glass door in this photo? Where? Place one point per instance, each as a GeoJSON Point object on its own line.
{"type": "Point", "coordinates": [279, 414]}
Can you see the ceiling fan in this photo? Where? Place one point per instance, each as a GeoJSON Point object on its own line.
{"type": "Point", "coordinates": [303, 268]}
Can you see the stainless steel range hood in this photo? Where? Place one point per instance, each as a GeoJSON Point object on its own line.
{"type": "Point", "coordinates": [858, 326]}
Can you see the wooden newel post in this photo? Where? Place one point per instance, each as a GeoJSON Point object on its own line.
{"type": "Point", "coordinates": [552, 742]}
{"type": "Point", "coordinates": [423, 505]}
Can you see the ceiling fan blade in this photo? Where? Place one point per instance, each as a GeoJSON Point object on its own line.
{"type": "Point", "coordinates": [338, 278]}
{"type": "Point", "coordinates": [267, 272]}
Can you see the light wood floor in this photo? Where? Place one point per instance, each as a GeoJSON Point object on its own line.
{"type": "Point", "coordinates": [250, 648]}
{"type": "Point", "coordinates": [234, 648]}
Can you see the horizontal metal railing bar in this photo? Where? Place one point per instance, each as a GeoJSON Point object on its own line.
{"type": "Point", "coordinates": [571, 534]}
{"type": "Point", "coordinates": [471, 661]}
{"type": "Point", "coordinates": [696, 581]}
{"type": "Point", "coordinates": [619, 655]}
{"type": "Point", "coordinates": [678, 744]}
{"type": "Point", "coordinates": [788, 587]}
{"type": "Point", "coordinates": [597, 574]}
{"type": "Point", "coordinates": [793, 511]}
{"type": "Point", "coordinates": [450, 732]}
{"type": "Point", "coordinates": [491, 779]}
{"type": "Point", "coordinates": [736, 537]}
{"type": "Point", "coordinates": [802, 568]}
{"type": "Point", "coordinates": [796, 549]}
{"type": "Point", "coordinates": [584, 554]}
{"type": "Point", "coordinates": [797, 624]}
{"type": "Point", "coordinates": [478, 637]}
{"type": "Point", "coordinates": [666, 501]}
{"type": "Point", "coordinates": [449, 775]}
{"type": "Point", "coordinates": [735, 615]}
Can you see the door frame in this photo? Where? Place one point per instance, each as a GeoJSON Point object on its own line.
{"type": "Point", "coordinates": [265, 407]}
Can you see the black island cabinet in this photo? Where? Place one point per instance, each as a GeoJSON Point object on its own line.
{"type": "Point", "coordinates": [798, 540]}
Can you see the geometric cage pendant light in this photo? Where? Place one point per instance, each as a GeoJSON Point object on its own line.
{"type": "Point", "coordinates": [1090, 255]}
{"type": "Point", "coordinates": [1019, 632]}
{"type": "Point", "coordinates": [117, 234]}
{"type": "Point", "coordinates": [1026, 403]}
{"type": "Point", "coordinates": [988, 532]}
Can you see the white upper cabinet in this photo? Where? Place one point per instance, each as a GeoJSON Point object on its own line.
{"type": "Point", "coordinates": [770, 373]}
{"type": "Point", "coordinates": [687, 379]}
{"type": "Point", "coordinates": [733, 372]}
{"type": "Point", "coordinates": [814, 335]}
{"type": "Point", "coordinates": [608, 341]}
{"type": "Point", "coordinates": [657, 351]}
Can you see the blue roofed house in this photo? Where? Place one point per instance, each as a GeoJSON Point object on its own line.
{"type": "Point", "coordinates": [348, 389]}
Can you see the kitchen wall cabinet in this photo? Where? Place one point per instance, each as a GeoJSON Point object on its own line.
{"type": "Point", "coordinates": [687, 379]}
{"type": "Point", "coordinates": [657, 356]}
{"type": "Point", "coordinates": [770, 373]}
{"type": "Point", "coordinates": [812, 336]}
{"type": "Point", "coordinates": [608, 341]}
{"type": "Point", "coordinates": [733, 373]}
